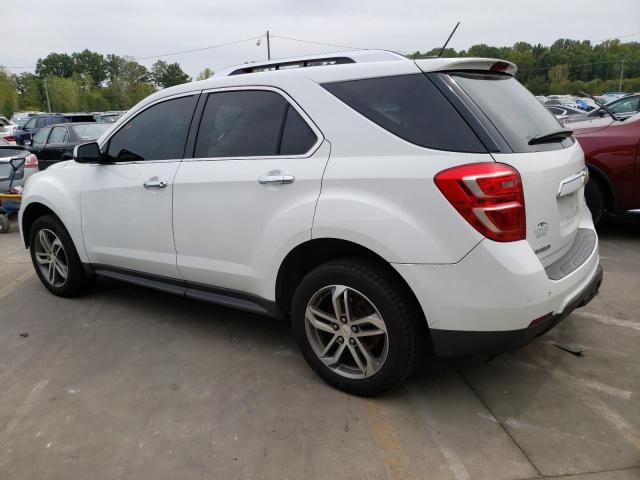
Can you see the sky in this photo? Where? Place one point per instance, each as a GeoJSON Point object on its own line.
{"type": "Point", "coordinates": [144, 28]}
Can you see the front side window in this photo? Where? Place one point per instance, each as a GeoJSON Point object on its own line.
{"type": "Point", "coordinates": [58, 135]}
{"type": "Point", "coordinates": [40, 138]}
{"type": "Point", "coordinates": [31, 123]}
{"type": "Point", "coordinates": [42, 122]}
{"type": "Point", "coordinates": [410, 107]}
{"type": "Point", "coordinates": [157, 133]}
{"type": "Point", "coordinates": [251, 123]}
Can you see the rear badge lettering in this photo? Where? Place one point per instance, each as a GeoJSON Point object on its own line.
{"type": "Point", "coordinates": [542, 249]}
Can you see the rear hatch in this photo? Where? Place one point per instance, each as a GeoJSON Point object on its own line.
{"type": "Point", "coordinates": [531, 140]}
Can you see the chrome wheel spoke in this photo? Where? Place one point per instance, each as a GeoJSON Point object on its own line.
{"type": "Point", "coordinates": [44, 241]}
{"type": "Point", "coordinates": [62, 270]}
{"type": "Point", "coordinates": [372, 364]}
{"type": "Point", "coordinates": [340, 300]}
{"type": "Point", "coordinates": [373, 320]}
{"type": "Point", "coordinates": [331, 343]}
{"type": "Point", "coordinates": [357, 359]}
{"type": "Point", "coordinates": [51, 273]}
{"type": "Point", "coordinates": [334, 359]}
{"type": "Point", "coordinates": [369, 333]}
{"type": "Point", "coordinates": [42, 258]}
{"type": "Point", "coordinates": [314, 316]}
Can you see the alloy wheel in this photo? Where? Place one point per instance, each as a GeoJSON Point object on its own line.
{"type": "Point", "coordinates": [346, 331]}
{"type": "Point", "coordinates": [51, 258]}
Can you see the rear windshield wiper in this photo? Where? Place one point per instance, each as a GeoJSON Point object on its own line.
{"type": "Point", "coordinates": [551, 136]}
{"type": "Point", "coordinates": [601, 105]}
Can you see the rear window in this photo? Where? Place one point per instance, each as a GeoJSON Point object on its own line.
{"type": "Point", "coordinates": [511, 108]}
{"type": "Point", "coordinates": [89, 132]}
{"type": "Point", "coordinates": [10, 153]}
{"type": "Point", "coordinates": [411, 107]}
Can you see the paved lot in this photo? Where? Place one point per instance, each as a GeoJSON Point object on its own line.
{"type": "Point", "coordinates": [130, 383]}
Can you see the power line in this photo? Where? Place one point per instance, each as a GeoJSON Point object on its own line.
{"type": "Point", "coordinates": [169, 54]}
{"type": "Point", "coordinates": [578, 65]}
{"type": "Point", "coordinates": [319, 43]}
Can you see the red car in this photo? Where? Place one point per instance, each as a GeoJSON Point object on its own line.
{"type": "Point", "coordinates": [612, 152]}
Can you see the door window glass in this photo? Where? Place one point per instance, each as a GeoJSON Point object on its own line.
{"type": "Point", "coordinates": [157, 133]}
{"type": "Point", "coordinates": [40, 138]}
{"type": "Point", "coordinates": [57, 135]}
{"type": "Point", "coordinates": [245, 123]}
{"type": "Point", "coordinates": [297, 136]}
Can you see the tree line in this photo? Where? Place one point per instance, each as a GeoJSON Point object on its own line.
{"type": "Point", "coordinates": [90, 81]}
{"type": "Point", "coordinates": [87, 81]}
{"type": "Point", "coordinates": [565, 67]}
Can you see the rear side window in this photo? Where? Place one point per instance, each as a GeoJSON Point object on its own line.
{"type": "Point", "coordinates": [412, 108]}
{"type": "Point", "coordinates": [511, 108]}
{"type": "Point", "coordinates": [157, 133]}
{"type": "Point", "coordinates": [251, 123]}
{"type": "Point", "coordinates": [42, 122]}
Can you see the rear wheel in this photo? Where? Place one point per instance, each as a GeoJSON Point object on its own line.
{"type": "Point", "coordinates": [595, 200]}
{"type": "Point", "coordinates": [356, 327]}
{"type": "Point", "coordinates": [5, 224]}
{"type": "Point", "coordinates": [55, 258]}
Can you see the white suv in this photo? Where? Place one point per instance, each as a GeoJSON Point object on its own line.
{"type": "Point", "coordinates": [388, 206]}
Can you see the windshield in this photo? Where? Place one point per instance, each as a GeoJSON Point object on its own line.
{"type": "Point", "coordinates": [512, 109]}
{"type": "Point", "coordinates": [89, 132]}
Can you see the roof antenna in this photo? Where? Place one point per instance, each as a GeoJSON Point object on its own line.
{"type": "Point", "coordinates": [448, 39]}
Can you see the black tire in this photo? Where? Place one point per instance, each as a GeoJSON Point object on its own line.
{"type": "Point", "coordinates": [594, 197]}
{"type": "Point", "coordinates": [77, 281]}
{"type": "Point", "coordinates": [5, 224]}
{"type": "Point", "coordinates": [402, 316]}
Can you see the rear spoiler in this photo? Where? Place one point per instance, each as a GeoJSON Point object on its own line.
{"type": "Point", "coordinates": [467, 64]}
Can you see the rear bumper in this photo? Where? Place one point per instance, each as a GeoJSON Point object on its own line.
{"type": "Point", "coordinates": [456, 343]}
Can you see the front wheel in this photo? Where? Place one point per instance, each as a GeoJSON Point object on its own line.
{"type": "Point", "coordinates": [357, 328]}
{"type": "Point", "coordinates": [55, 258]}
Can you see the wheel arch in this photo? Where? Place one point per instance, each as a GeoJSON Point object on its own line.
{"type": "Point", "coordinates": [602, 179]}
{"type": "Point", "coordinates": [31, 213]}
{"type": "Point", "coordinates": [312, 253]}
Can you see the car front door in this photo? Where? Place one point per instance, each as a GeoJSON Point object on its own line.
{"type": "Point", "coordinates": [249, 194]}
{"type": "Point", "coordinates": [127, 197]}
{"type": "Point", "coordinates": [38, 144]}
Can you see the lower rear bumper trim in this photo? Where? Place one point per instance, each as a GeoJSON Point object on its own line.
{"type": "Point", "coordinates": [459, 343]}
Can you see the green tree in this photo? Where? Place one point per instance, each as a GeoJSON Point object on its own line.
{"type": "Point", "coordinates": [204, 74]}
{"type": "Point", "coordinates": [64, 93]}
{"type": "Point", "coordinates": [8, 93]}
{"type": "Point", "coordinates": [55, 65]}
{"type": "Point", "coordinates": [166, 75]}
{"type": "Point", "coordinates": [90, 63]}
{"type": "Point", "coordinates": [30, 93]}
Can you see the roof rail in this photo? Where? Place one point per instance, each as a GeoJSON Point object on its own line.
{"type": "Point", "coordinates": [336, 58]}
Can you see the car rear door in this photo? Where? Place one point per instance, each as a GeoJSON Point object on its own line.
{"type": "Point", "coordinates": [248, 195]}
{"type": "Point", "coordinates": [127, 198]}
{"type": "Point", "coordinates": [52, 151]}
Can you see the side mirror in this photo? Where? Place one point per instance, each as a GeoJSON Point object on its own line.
{"type": "Point", "coordinates": [87, 153]}
{"type": "Point", "coordinates": [601, 112]}
{"type": "Point", "coordinates": [16, 163]}
{"type": "Point", "coordinates": [27, 142]}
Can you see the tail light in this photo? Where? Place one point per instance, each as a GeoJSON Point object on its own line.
{"type": "Point", "coordinates": [489, 196]}
{"type": "Point", "coordinates": [31, 161]}
{"type": "Point", "coordinates": [10, 138]}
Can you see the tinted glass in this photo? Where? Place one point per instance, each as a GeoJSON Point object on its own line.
{"type": "Point", "coordinates": [245, 123]}
{"type": "Point", "coordinates": [297, 137]}
{"type": "Point", "coordinates": [58, 135]}
{"type": "Point", "coordinates": [31, 123]}
{"type": "Point", "coordinates": [42, 122]}
{"type": "Point", "coordinates": [412, 108]}
{"type": "Point", "coordinates": [514, 111]}
{"type": "Point", "coordinates": [40, 138]}
{"type": "Point", "coordinates": [81, 133]}
{"type": "Point", "coordinates": [625, 105]}
{"type": "Point", "coordinates": [157, 133]}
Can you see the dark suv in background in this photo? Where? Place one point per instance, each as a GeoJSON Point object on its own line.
{"type": "Point", "coordinates": [35, 123]}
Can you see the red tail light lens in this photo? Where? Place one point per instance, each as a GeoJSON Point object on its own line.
{"type": "Point", "coordinates": [489, 196]}
{"type": "Point", "coordinates": [31, 161]}
{"type": "Point", "coordinates": [10, 138]}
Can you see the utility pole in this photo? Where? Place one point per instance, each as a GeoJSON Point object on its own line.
{"type": "Point", "coordinates": [621, 73]}
{"type": "Point", "coordinates": [268, 47]}
{"type": "Point", "coordinates": [46, 90]}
